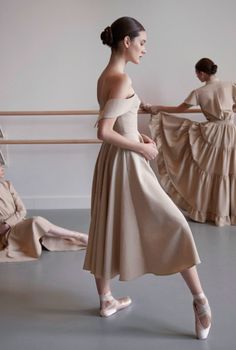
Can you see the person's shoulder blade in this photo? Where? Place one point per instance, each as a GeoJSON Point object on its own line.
{"type": "Point", "coordinates": [120, 85]}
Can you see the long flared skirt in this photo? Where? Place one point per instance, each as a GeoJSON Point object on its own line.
{"type": "Point", "coordinates": [135, 227]}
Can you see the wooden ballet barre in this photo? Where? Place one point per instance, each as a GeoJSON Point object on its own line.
{"type": "Point", "coordinates": [49, 142]}
{"type": "Point", "coordinates": [57, 113]}
{"type": "Point", "coordinates": [47, 113]}
{"type": "Point", "coordinates": [193, 110]}
{"type": "Point", "coordinates": [68, 112]}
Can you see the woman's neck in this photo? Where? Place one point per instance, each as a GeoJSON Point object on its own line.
{"type": "Point", "coordinates": [211, 79]}
{"type": "Point", "coordinates": [117, 62]}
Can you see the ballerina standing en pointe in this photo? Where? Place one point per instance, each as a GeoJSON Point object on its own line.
{"type": "Point", "coordinates": [135, 228]}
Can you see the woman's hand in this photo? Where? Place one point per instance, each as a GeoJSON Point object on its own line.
{"type": "Point", "coordinates": [147, 107]}
{"type": "Point", "coordinates": [4, 228]}
{"type": "Point", "coordinates": [147, 139]}
{"type": "Point", "coordinates": [148, 150]}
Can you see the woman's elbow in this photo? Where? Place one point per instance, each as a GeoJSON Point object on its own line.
{"type": "Point", "coordinates": [101, 134]}
{"type": "Point", "coordinates": [22, 213]}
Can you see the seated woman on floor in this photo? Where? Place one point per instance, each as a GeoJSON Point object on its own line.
{"type": "Point", "coordinates": [22, 238]}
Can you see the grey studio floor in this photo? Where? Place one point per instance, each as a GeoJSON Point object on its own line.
{"type": "Point", "coordinates": [52, 303]}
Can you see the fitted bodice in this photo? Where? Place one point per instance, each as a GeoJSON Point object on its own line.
{"type": "Point", "coordinates": [125, 113]}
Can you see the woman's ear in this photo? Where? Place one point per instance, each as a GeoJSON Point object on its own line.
{"type": "Point", "coordinates": [127, 41]}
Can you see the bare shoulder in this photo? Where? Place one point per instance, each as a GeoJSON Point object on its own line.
{"type": "Point", "coordinates": [120, 85]}
{"type": "Point", "coordinates": [113, 85]}
{"type": "Point", "coordinates": [121, 78]}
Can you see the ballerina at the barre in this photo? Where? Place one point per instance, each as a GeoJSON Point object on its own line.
{"type": "Point", "coordinates": [197, 160]}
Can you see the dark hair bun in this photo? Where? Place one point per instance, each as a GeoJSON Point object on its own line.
{"type": "Point", "coordinates": [206, 65]}
{"type": "Point", "coordinates": [107, 37]}
{"type": "Point", "coordinates": [214, 69]}
{"type": "Point", "coordinates": [122, 27]}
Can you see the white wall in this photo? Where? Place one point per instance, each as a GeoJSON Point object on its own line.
{"type": "Point", "coordinates": [51, 56]}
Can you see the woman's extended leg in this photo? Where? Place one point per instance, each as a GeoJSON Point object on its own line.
{"type": "Point", "coordinates": [200, 303]}
{"type": "Point", "coordinates": [57, 231]}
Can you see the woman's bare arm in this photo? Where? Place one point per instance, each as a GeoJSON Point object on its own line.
{"type": "Point", "coordinates": [153, 109]}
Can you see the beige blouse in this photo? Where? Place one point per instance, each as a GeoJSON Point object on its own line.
{"type": "Point", "coordinates": [12, 209]}
{"type": "Point", "coordinates": [216, 99]}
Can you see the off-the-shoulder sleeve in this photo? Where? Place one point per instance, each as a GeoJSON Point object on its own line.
{"type": "Point", "coordinates": [192, 99]}
{"type": "Point", "coordinates": [234, 91]}
{"type": "Point", "coordinates": [115, 108]}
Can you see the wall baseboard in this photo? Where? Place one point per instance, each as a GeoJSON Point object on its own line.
{"type": "Point", "coordinates": [56, 202]}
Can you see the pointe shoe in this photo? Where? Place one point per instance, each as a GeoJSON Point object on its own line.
{"type": "Point", "coordinates": [82, 242]}
{"type": "Point", "coordinates": [83, 238]}
{"type": "Point", "coordinates": [201, 310]}
{"type": "Point", "coordinates": [112, 306]}
{"type": "Point", "coordinates": [79, 238]}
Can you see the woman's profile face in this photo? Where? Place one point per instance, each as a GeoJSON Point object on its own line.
{"type": "Point", "coordinates": [137, 47]}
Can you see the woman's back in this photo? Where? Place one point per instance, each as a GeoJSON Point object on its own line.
{"type": "Point", "coordinates": [216, 99]}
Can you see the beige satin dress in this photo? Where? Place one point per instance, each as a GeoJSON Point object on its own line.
{"type": "Point", "coordinates": [197, 161]}
{"type": "Point", "coordinates": [25, 238]}
{"type": "Point", "coordinates": [135, 227]}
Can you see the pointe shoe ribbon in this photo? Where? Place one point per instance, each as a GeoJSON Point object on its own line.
{"type": "Point", "coordinates": [111, 306]}
{"type": "Point", "coordinates": [200, 311]}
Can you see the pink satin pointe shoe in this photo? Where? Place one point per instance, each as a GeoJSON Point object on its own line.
{"type": "Point", "coordinates": [201, 310]}
{"type": "Point", "coordinates": [83, 238]}
{"type": "Point", "coordinates": [110, 305]}
{"type": "Point", "coordinates": [79, 238]}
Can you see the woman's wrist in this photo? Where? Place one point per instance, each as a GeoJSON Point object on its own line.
{"type": "Point", "coordinates": [139, 149]}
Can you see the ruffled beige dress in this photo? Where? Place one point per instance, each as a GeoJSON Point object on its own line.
{"type": "Point", "coordinates": [135, 227]}
{"type": "Point", "coordinates": [25, 238]}
{"type": "Point", "coordinates": [197, 161]}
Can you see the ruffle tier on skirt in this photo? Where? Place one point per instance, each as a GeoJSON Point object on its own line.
{"type": "Point", "coordinates": [197, 166]}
